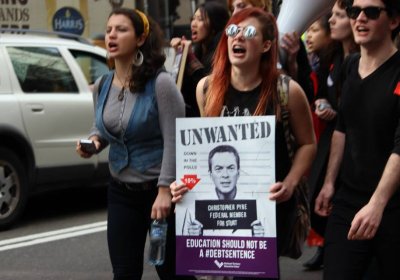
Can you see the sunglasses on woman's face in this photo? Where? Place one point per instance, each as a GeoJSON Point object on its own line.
{"type": "Point", "coordinates": [248, 32]}
{"type": "Point", "coordinates": [370, 12]}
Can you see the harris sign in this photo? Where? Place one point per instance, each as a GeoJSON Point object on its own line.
{"type": "Point", "coordinates": [68, 20]}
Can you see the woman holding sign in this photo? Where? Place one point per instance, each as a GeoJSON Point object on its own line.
{"type": "Point", "coordinates": [244, 82]}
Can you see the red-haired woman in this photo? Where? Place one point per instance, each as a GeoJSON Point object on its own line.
{"type": "Point", "coordinates": [244, 82]}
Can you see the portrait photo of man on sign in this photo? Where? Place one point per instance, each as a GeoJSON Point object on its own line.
{"type": "Point", "coordinates": [228, 212]}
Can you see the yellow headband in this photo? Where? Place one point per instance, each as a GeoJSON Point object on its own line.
{"type": "Point", "coordinates": [146, 25]}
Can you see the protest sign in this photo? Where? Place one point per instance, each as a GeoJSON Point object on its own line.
{"type": "Point", "coordinates": [225, 223]}
{"type": "Point", "coordinates": [179, 64]}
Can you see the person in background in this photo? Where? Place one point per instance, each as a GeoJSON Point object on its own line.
{"type": "Point", "coordinates": [364, 208]}
{"type": "Point", "coordinates": [328, 70]}
{"type": "Point", "coordinates": [326, 106]}
{"type": "Point", "coordinates": [244, 81]}
{"type": "Point", "coordinates": [238, 5]}
{"type": "Point", "coordinates": [320, 47]}
{"type": "Point", "coordinates": [135, 112]}
{"type": "Point", "coordinates": [206, 26]}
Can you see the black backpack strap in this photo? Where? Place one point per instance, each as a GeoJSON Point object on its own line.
{"type": "Point", "coordinates": [283, 92]}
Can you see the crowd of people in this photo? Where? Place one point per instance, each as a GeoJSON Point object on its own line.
{"type": "Point", "coordinates": [344, 104]}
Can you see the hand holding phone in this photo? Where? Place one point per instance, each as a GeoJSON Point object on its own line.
{"type": "Point", "coordinates": [88, 146]}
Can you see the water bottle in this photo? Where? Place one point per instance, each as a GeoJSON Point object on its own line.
{"type": "Point", "coordinates": [158, 238]}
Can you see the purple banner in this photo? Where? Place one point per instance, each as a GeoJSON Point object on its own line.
{"type": "Point", "coordinates": [228, 256]}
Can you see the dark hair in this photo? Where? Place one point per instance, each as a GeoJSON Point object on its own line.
{"type": "Point", "coordinates": [393, 10]}
{"type": "Point", "coordinates": [343, 4]}
{"type": "Point", "coordinates": [152, 49]}
{"type": "Point", "coordinates": [327, 54]}
{"type": "Point", "coordinates": [217, 16]}
{"type": "Point", "coordinates": [223, 149]}
{"type": "Point", "coordinates": [324, 22]}
{"type": "Point", "coordinates": [393, 6]}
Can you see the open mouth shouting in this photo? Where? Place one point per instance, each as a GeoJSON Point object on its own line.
{"type": "Point", "coordinates": [238, 49]}
{"type": "Point", "coordinates": [194, 35]}
{"type": "Point", "coordinates": [361, 30]}
{"type": "Point", "coordinates": [112, 47]}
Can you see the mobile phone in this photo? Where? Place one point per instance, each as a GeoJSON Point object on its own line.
{"type": "Point", "coordinates": [88, 146]}
{"type": "Point", "coordinates": [323, 106]}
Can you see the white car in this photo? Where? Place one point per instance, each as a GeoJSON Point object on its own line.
{"type": "Point", "coordinates": [46, 105]}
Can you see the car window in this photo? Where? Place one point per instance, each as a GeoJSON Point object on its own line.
{"type": "Point", "coordinates": [92, 65]}
{"type": "Point", "coordinates": [42, 70]}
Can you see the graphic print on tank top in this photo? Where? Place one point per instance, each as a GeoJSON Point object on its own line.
{"type": "Point", "coordinates": [240, 103]}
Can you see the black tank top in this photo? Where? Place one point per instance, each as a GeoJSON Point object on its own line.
{"type": "Point", "coordinates": [244, 103]}
{"type": "Point", "coordinates": [240, 103]}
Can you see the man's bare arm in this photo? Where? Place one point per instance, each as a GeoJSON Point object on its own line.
{"type": "Point", "coordinates": [367, 220]}
{"type": "Point", "coordinates": [323, 205]}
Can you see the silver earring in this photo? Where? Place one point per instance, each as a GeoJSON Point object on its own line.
{"type": "Point", "coordinates": [138, 59]}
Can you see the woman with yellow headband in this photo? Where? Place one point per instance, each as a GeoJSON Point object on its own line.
{"type": "Point", "coordinates": [136, 105]}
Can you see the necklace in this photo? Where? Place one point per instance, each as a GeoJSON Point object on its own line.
{"type": "Point", "coordinates": [121, 94]}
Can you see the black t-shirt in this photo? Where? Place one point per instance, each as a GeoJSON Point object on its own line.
{"type": "Point", "coordinates": [369, 115]}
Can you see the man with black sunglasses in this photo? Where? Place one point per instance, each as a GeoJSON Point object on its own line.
{"type": "Point", "coordinates": [370, 12]}
{"type": "Point", "coordinates": [364, 212]}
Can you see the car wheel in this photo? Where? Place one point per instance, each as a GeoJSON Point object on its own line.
{"type": "Point", "coordinates": [13, 188]}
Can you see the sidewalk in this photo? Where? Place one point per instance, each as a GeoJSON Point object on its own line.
{"type": "Point", "coordinates": [294, 270]}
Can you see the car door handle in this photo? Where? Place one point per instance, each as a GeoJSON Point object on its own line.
{"type": "Point", "coordinates": [36, 108]}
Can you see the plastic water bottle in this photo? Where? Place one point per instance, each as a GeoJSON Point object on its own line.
{"type": "Point", "coordinates": [158, 238]}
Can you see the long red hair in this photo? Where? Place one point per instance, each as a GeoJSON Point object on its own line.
{"type": "Point", "coordinates": [221, 74]}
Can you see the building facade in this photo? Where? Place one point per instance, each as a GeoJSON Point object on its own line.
{"type": "Point", "coordinates": [87, 18]}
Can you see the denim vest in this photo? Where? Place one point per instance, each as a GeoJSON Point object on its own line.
{"type": "Point", "coordinates": [141, 146]}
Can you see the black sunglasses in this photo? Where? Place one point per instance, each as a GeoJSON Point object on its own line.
{"type": "Point", "coordinates": [370, 12]}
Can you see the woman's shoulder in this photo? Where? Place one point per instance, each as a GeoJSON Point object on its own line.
{"type": "Point", "coordinates": [164, 82]}
{"type": "Point", "coordinates": [201, 91]}
{"type": "Point", "coordinates": [202, 87]}
{"type": "Point", "coordinates": [203, 83]}
{"type": "Point", "coordinates": [166, 89]}
{"type": "Point", "coordinates": [163, 77]}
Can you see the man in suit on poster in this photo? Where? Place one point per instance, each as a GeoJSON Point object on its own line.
{"type": "Point", "coordinates": [224, 170]}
